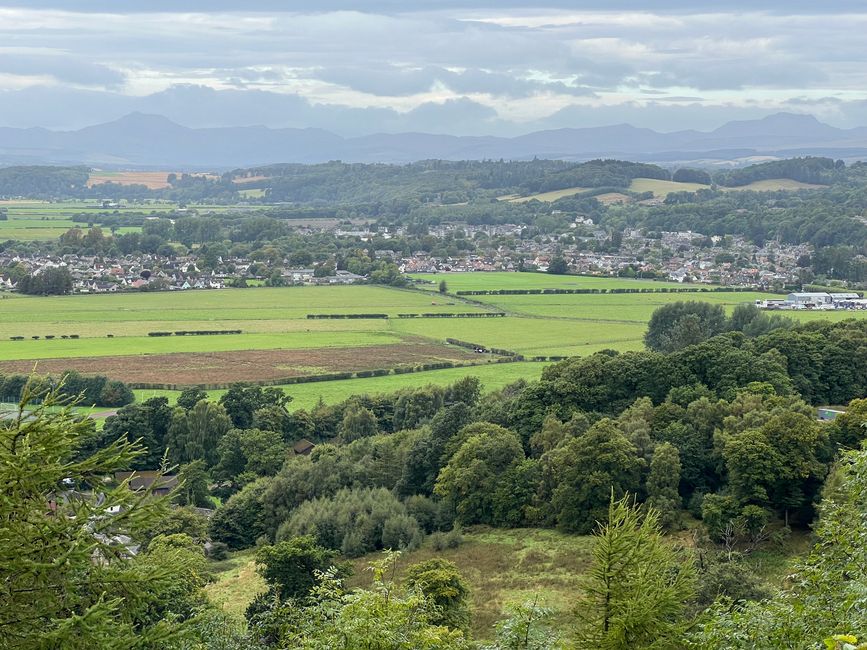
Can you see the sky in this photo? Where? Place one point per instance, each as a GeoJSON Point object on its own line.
{"type": "Point", "coordinates": [438, 66]}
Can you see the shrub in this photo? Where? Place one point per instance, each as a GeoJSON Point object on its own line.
{"type": "Point", "coordinates": [354, 521]}
{"type": "Point", "coordinates": [218, 551]}
{"type": "Point", "coordinates": [440, 541]}
{"type": "Point", "coordinates": [116, 393]}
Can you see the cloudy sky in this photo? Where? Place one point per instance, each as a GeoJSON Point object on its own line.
{"type": "Point", "coordinates": [444, 66]}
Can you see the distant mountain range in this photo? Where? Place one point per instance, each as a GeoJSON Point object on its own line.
{"type": "Point", "coordinates": [140, 141]}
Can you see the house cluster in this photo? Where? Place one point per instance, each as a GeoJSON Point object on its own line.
{"type": "Point", "coordinates": [681, 256]}
{"type": "Point", "coordinates": [817, 301]}
{"type": "Point", "coordinates": [97, 274]}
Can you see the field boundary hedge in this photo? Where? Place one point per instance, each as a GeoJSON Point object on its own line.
{"type": "Point", "coordinates": [554, 292]}
{"type": "Point", "coordinates": [196, 333]}
{"type": "Point", "coordinates": [478, 347]}
{"type": "Point", "coordinates": [351, 316]}
{"type": "Point", "coordinates": [459, 314]}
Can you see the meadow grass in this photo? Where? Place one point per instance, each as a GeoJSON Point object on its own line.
{"type": "Point", "coordinates": [236, 582]}
{"type": "Point", "coordinates": [501, 567]}
{"type": "Point", "coordinates": [30, 220]}
{"type": "Point", "coordinates": [505, 567]}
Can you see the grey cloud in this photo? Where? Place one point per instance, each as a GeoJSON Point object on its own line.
{"type": "Point", "coordinates": [396, 82]}
{"type": "Point", "coordinates": [63, 68]}
{"type": "Point", "coordinates": [199, 106]}
{"type": "Point", "coordinates": [735, 75]}
{"type": "Point", "coordinates": [838, 6]}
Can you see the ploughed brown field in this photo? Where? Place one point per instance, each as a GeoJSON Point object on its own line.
{"type": "Point", "coordinates": [188, 369]}
{"type": "Point", "coordinates": [151, 180]}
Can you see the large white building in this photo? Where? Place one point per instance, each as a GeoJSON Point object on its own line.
{"type": "Point", "coordinates": [805, 300]}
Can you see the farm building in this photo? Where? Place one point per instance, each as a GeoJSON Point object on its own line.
{"type": "Point", "coordinates": [808, 300]}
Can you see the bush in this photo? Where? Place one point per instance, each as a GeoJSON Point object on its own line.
{"type": "Point", "coordinates": [441, 541]}
{"type": "Point", "coordinates": [354, 521]}
{"type": "Point", "coordinates": [218, 551]}
{"type": "Point", "coordinates": [116, 393]}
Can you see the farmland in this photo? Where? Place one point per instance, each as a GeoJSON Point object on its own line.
{"type": "Point", "coordinates": [277, 341]}
{"type": "Point", "coordinates": [44, 220]}
{"type": "Point", "coordinates": [661, 189]}
{"type": "Point", "coordinates": [151, 180]}
{"type": "Point", "coordinates": [306, 396]}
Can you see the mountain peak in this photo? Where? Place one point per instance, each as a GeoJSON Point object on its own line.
{"type": "Point", "coordinates": [790, 124]}
{"type": "Point", "coordinates": [146, 139]}
{"type": "Point", "coordinates": [139, 119]}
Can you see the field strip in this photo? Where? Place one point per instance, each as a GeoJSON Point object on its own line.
{"type": "Point", "coordinates": [208, 368]}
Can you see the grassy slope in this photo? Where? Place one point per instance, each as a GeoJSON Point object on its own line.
{"type": "Point", "coordinates": [236, 582]}
{"type": "Point", "coordinates": [506, 567]}
{"type": "Point", "coordinates": [502, 567]}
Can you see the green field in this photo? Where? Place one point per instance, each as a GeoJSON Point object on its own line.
{"type": "Point", "coordinates": [507, 280]}
{"type": "Point", "coordinates": [258, 308]}
{"type": "Point", "coordinates": [306, 396]}
{"type": "Point", "coordinates": [30, 220]}
{"type": "Point", "coordinates": [502, 567]}
{"type": "Point", "coordinates": [623, 307]}
{"type": "Point", "coordinates": [272, 320]}
{"type": "Point", "coordinates": [662, 189]}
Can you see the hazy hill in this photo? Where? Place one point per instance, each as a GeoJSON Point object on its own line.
{"type": "Point", "coordinates": [141, 140]}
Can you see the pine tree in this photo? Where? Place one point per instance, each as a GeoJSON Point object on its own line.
{"type": "Point", "coordinates": [67, 581]}
{"type": "Point", "coordinates": [639, 585]}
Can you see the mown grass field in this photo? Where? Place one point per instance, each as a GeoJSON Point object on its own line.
{"type": "Point", "coordinates": [508, 280]}
{"type": "Point", "coordinates": [661, 189]}
{"type": "Point", "coordinates": [251, 306]}
{"type": "Point", "coordinates": [40, 220]}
